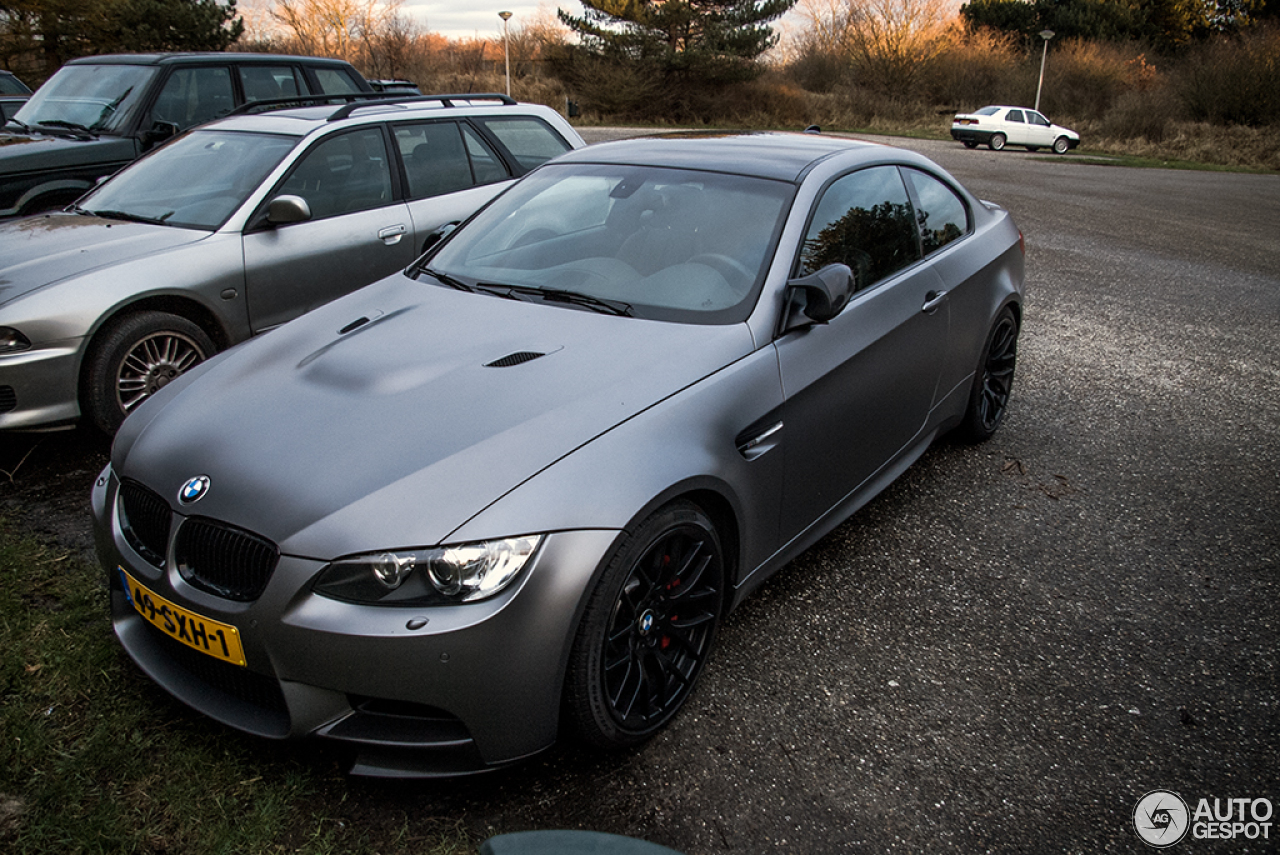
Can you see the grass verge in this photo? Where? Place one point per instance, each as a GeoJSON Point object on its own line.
{"type": "Point", "coordinates": [95, 758]}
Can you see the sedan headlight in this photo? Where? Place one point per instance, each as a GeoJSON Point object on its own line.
{"type": "Point", "coordinates": [12, 341]}
{"type": "Point", "coordinates": [441, 576]}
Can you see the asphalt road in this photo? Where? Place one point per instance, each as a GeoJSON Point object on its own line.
{"type": "Point", "coordinates": [1015, 642]}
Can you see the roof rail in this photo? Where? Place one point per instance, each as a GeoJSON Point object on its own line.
{"type": "Point", "coordinates": [445, 100]}
{"type": "Point", "coordinates": [264, 106]}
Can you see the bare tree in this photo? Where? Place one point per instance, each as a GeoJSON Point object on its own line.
{"type": "Point", "coordinates": [333, 27]}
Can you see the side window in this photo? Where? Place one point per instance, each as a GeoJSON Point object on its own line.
{"type": "Point", "coordinates": [485, 163]}
{"type": "Point", "coordinates": [335, 81]}
{"type": "Point", "coordinates": [863, 220]}
{"type": "Point", "coordinates": [1037, 119]}
{"type": "Point", "coordinates": [1014, 116]}
{"type": "Point", "coordinates": [531, 141]}
{"type": "Point", "coordinates": [192, 96]}
{"type": "Point", "coordinates": [435, 158]}
{"type": "Point", "coordinates": [942, 215]}
{"type": "Point", "coordinates": [265, 82]}
{"type": "Point", "coordinates": [344, 173]}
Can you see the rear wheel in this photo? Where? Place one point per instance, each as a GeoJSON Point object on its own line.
{"type": "Point", "coordinates": [648, 629]}
{"type": "Point", "coordinates": [993, 383]}
{"type": "Point", "coordinates": [970, 144]}
{"type": "Point", "coordinates": [1061, 145]}
{"type": "Point", "coordinates": [133, 358]}
{"type": "Point", "coordinates": [997, 142]}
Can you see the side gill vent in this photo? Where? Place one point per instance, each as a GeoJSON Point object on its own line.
{"type": "Point", "coordinates": [517, 358]}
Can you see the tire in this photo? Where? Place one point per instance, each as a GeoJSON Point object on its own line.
{"type": "Point", "coordinates": [1061, 145]}
{"type": "Point", "coordinates": [993, 382]}
{"type": "Point", "coordinates": [997, 142]}
{"type": "Point", "coordinates": [970, 144]}
{"type": "Point", "coordinates": [648, 629]}
{"type": "Point", "coordinates": [1032, 148]}
{"type": "Point", "coordinates": [134, 357]}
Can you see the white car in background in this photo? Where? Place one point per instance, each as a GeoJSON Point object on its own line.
{"type": "Point", "coordinates": [997, 127]}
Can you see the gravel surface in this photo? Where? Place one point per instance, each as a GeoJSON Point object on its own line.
{"type": "Point", "coordinates": [1016, 641]}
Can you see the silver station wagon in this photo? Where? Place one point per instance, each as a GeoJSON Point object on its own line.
{"type": "Point", "coordinates": [233, 229]}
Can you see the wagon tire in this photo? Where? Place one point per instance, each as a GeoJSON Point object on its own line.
{"type": "Point", "coordinates": [647, 630]}
{"type": "Point", "coordinates": [135, 356]}
{"type": "Point", "coordinates": [993, 381]}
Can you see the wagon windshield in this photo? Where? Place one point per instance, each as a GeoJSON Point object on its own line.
{"type": "Point", "coordinates": [669, 244]}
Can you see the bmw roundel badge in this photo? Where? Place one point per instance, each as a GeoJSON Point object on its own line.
{"type": "Point", "coordinates": [194, 489]}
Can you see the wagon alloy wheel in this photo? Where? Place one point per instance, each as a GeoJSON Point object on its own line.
{"type": "Point", "coordinates": [648, 630]}
{"type": "Point", "coordinates": [136, 357]}
{"type": "Point", "coordinates": [993, 385]}
{"type": "Point", "coordinates": [997, 142]}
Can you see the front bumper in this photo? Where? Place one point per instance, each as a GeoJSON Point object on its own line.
{"type": "Point", "coordinates": [39, 388]}
{"type": "Point", "coordinates": [474, 687]}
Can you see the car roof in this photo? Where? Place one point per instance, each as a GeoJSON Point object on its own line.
{"type": "Point", "coordinates": [781, 156]}
{"type": "Point", "coordinates": [302, 120]}
{"type": "Point", "coordinates": [199, 58]}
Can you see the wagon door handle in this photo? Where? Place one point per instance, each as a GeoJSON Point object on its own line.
{"type": "Point", "coordinates": [932, 301]}
{"type": "Point", "coordinates": [391, 234]}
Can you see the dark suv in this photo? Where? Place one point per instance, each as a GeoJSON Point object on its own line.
{"type": "Point", "coordinates": [13, 94]}
{"type": "Point", "coordinates": [98, 113]}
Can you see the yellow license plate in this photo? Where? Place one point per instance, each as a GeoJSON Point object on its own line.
{"type": "Point", "coordinates": [219, 640]}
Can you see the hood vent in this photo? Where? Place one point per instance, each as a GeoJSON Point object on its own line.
{"type": "Point", "coordinates": [517, 358]}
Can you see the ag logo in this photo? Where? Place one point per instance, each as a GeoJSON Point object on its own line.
{"type": "Point", "coordinates": [1161, 818]}
{"type": "Point", "coordinates": [194, 489]}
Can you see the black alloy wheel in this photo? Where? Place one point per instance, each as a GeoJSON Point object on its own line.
{"type": "Point", "coordinates": [648, 630]}
{"type": "Point", "coordinates": [993, 385]}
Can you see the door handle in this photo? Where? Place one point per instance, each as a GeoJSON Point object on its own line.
{"type": "Point", "coordinates": [932, 301]}
{"type": "Point", "coordinates": [391, 234]}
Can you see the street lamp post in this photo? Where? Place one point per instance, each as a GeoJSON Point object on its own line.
{"type": "Point", "coordinates": [1046, 35]}
{"type": "Point", "coordinates": [506, 49]}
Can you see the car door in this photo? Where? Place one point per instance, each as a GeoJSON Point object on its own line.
{"type": "Point", "coordinates": [859, 388]}
{"type": "Point", "coordinates": [450, 171]}
{"type": "Point", "coordinates": [1015, 127]}
{"type": "Point", "coordinates": [1038, 131]}
{"type": "Point", "coordinates": [358, 231]}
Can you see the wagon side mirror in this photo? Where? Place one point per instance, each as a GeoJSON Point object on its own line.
{"type": "Point", "coordinates": [818, 297]}
{"type": "Point", "coordinates": [286, 209]}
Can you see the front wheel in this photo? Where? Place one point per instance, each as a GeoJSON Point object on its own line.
{"type": "Point", "coordinates": [647, 630]}
{"type": "Point", "coordinates": [997, 142]}
{"type": "Point", "coordinates": [1061, 145]}
{"type": "Point", "coordinates": [993, 383]}
{"type": "Point", "coordinates": [133, 358]}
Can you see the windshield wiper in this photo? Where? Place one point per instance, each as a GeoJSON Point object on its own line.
{"type": "Point", "coordinates": [556, 295]}
{"type": "Point", "coordinates": [25, 128]}
{"type": "Point", "coordinates": [62, 123]}
{"type": "Point", "coordinates": [128, 217]}
{"type": "Point", "coordinates": [446, 279]}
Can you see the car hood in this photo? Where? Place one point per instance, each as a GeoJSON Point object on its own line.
{"type": "Point", "coordinates": [395, 433]}
{"type": "Point", "coordinates": [21, 152]}
{"type": "Point", "coordinates": [42, 250]}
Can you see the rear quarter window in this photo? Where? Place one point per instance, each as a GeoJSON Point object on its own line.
{"type": "Point", "coordinates": [530, 141]}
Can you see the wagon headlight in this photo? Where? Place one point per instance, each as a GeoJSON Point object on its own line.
{"type": "Point", "coordinates": [12, 341]}
{"type": "Point", "coordinates": [444, 575]}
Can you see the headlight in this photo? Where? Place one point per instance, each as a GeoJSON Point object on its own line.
{"type": "Point", "coordinates": [441, 576]}
{"type": "Point", "coordinates": [12, 341]}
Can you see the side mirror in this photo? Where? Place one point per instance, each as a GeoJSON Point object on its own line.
{"type": "Point", "coordinates": [438, 235]}
{"type": "Point", "coordinates": [286, 209]}
{"type": "Point", "coordinates": [818, 297]}
{"type": "Point", "coordinates": [159, 132]}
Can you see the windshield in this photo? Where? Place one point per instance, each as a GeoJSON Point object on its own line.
{"type": "Point", "coordinates": [196, 181]}
{"type": "Point", "coordinates": [96, 98]}
{"type": "Point", "coordinates": [667, 244]}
